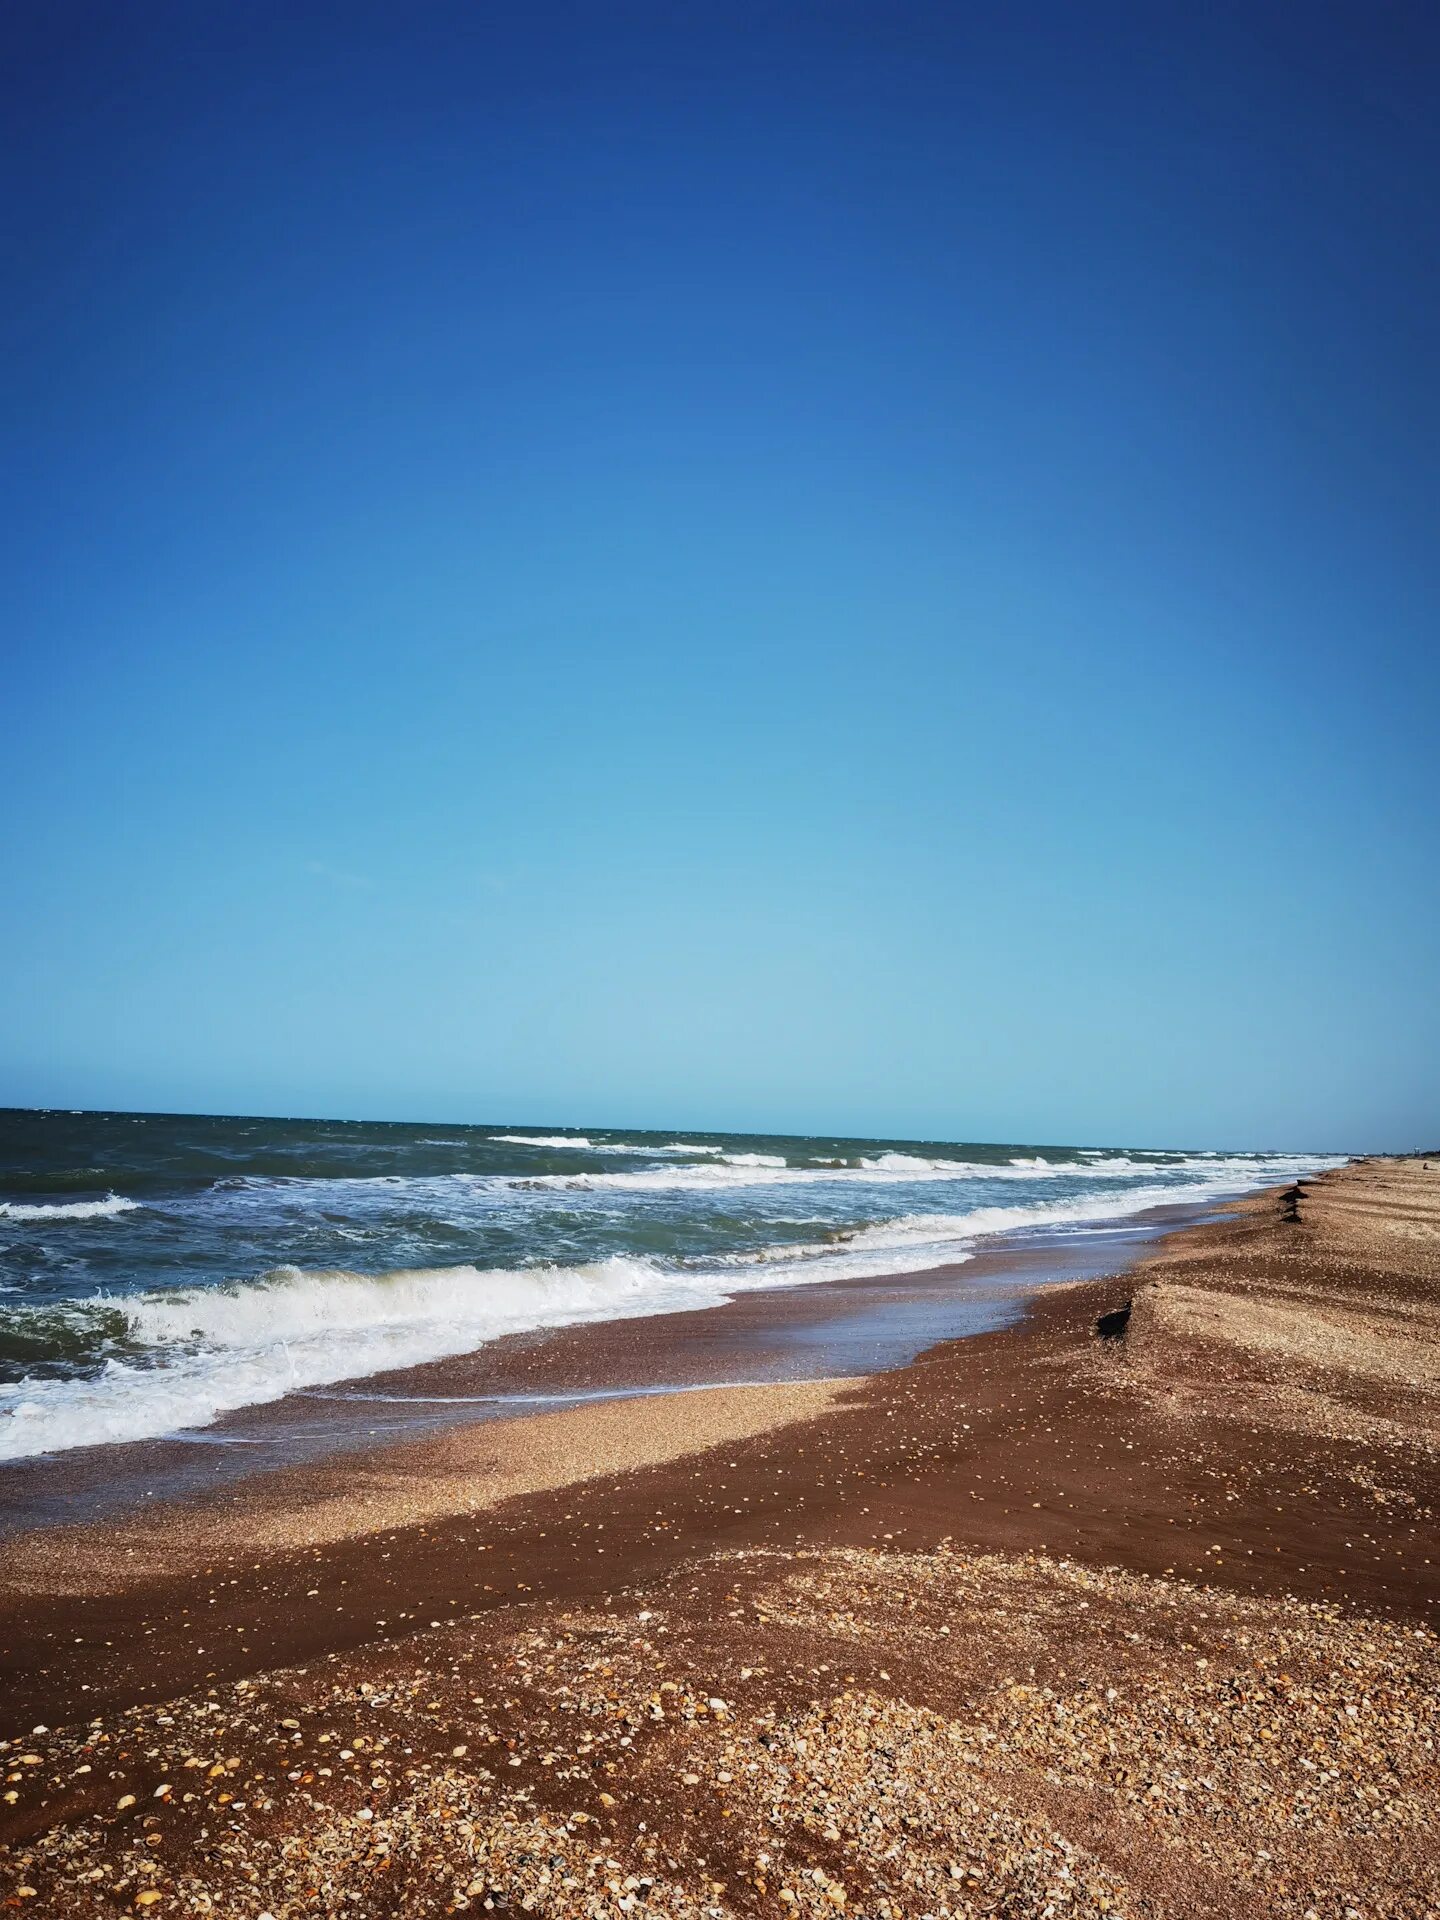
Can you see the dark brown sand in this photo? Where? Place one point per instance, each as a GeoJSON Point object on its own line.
{"type": "Point", "coordinates": [1047, 1622]}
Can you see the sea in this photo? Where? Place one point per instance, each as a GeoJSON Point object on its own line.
{"type": "Point", "coordinates": [161, 1271]}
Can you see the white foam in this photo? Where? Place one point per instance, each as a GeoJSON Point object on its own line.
{"type": "Point", "coordinates": [757, 1170]}
{"type": "Point", "coordinates": [583, 1145]}
{"type": "Point", "coordinates": [67, 1209]}
{"type": "Point", "coordinates": [911, 1163]}
{"type": "Point", "coordinates": [216, 1349]}
{"type": "Point", "coordinates": [915, 1243]}
{"type": "Point", "coordinates": [745, 1170]}
{"type": "Point", "coordinates": [220, 1348]}
{"type": "Point", "coordinates": [542, 1140]}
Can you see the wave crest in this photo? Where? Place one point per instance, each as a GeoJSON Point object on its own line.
{"type": "Point", "coordinates": [580, 1143]}
{"type": "Point", "coordinates": [67, 1209]}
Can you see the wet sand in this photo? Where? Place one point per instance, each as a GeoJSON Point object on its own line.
{"type": "Point", "coordinates": [1126, 1606]}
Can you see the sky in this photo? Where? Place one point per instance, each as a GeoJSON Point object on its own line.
{"type": "Point", "coordinates": [819, 567]}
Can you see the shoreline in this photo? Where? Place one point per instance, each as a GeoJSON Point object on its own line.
{"type": "Point", "coordinates": [1247, 1462]}
{"type": "Point", "coordinates": [769, 1336]}
{"type": "Point", "coordinates": [415, 1486]}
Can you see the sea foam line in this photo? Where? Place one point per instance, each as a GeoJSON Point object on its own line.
{"type": "Point", "coordinates": [741, 1170]}
{"type": "Point", "coordinates": [581, 1144]}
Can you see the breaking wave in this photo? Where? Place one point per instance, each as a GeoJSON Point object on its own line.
{"type": "Point", "coordinates": [762, 1169]}
{"type": "Point", "coordinates": [543, 1140]}
{"type": "Point", "coordinates": [113, 1203]}
{"type": "Point", "coordinates": [581, 1144]}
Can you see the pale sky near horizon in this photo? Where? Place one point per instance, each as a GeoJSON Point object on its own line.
{"type": "Point", "coordinates": [839, 567]}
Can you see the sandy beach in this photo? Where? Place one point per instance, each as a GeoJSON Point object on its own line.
{"type": "Point", "coordinates": [1124, 1606]}
{"type": "Point", "coordinates": [775, 1337]}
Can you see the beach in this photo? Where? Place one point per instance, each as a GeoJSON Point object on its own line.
{"type": "Point", "coordinates": [717, 992]}
{"type": "Point", "coordinates": [1126, 1605]}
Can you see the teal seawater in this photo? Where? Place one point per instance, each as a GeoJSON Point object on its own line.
{"type": "Point", "coordinates": [159, 1270]}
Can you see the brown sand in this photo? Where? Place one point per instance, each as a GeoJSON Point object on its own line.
{"type": "Point", "coordinates": [1045, 1623]}
{"type": "Point", "coordinates": [462, 1472]}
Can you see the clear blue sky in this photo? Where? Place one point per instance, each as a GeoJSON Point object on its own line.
{"type": "Point", "coordinates": [858, 567]}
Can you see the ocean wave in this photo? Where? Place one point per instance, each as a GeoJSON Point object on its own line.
{"type": "Point", "coordinates": [205, 1352]}
{"type": "Point", "coordinates": [742, 1170]}
{"type": "Point", "coordinates": [542, 1140]}
{"type": "Point", "coordinates": [67, 1209]}
{"type": "Point", "coordinates": [752, 1170]}
{"type": "Point", "coordinates": [192, 1355]}
{"type": "Point", "coordinates": [581, 1144]}
{"type": "Point", "coordinates": [913, 1163]}
{"type": "Point", "coordinates": [917, 1242]}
